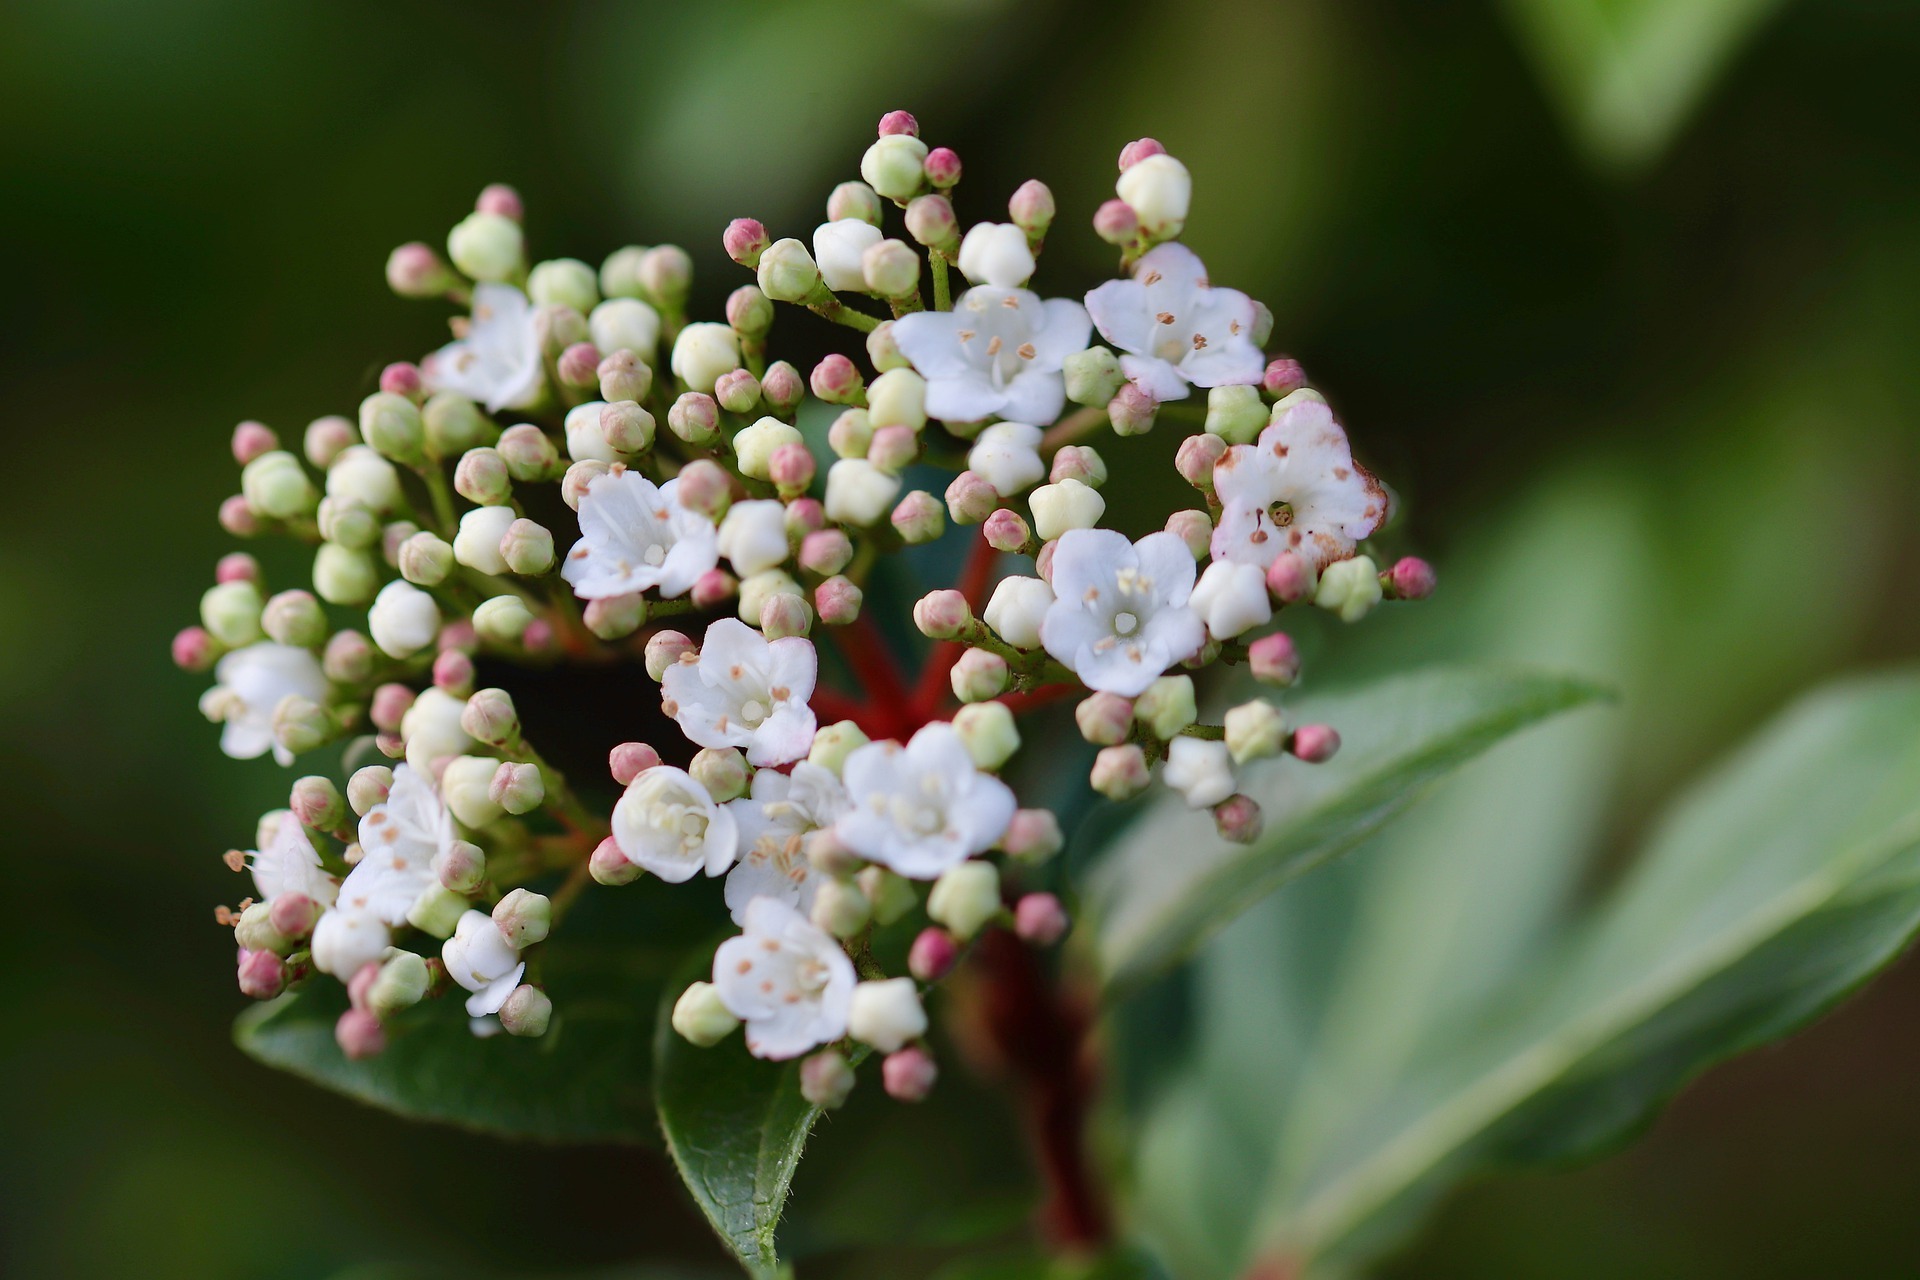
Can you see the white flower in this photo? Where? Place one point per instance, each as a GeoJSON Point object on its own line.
{"type": "Point", "coordinates": [1121, 615]}
{"type": "Point", "coordinates": [996, 253]}
{"type": "Point", "coordinates": [360, 475]}
{"type": "Point", "coordinates": [998, 353]}
{"type": "Point", "coordinates": [774, 820]}
{"type": "Point", "coordinates": [1007, 456]}
{"type": "Point", "coordinates": [1158, 190]}
{"type": "Point", "coordinates": [1018, 607]}
{"type": "Point", "coordinates": [346, 941]}
{"type": "Point", "coordinates": [1175, 328]}
{"type": "Point", "coordinates": [859, 493]}
{"type": "Point", "coordinates": [431, 729]}
{"type": "Point", "coordinates": [479, 958]}
{"type": "Point", "coordinates": [1296, 489]}
{"type": "Point", "coordinates": [837, 248]}
{"type": "Point", "coordinates": [746, 691]}
{"type": "Point", "coordinates": [924, 807]}
{"type": "Point", "coordinates": [403, 619]}
{"type": "Point", "coordinates": [398, 840]}
{"type": "Point", "coordinates": [668, 824]}
{"type": "Point", "coordinates": [1232, 598]}
{"type": "Point", "coordinates": [886, 1014]}
{"type": "Point", "coordinates": [1200, 770]}
{"type": "Point", "coordinates": [625, 324]}
{"type": "Point", "coordinates": [477, 544]}
{"type": "Point", "coordinates": [635, 537]}
{"type": "Point", "coordinates": [753, 536]}
{"type": "Point", "coordinates": [788, 981]}
{"type": "Point", "coordinates": [249, 683]}
{"type": "Point", "coordinates": [702, 353]}
{"type": "Point", "coordinates": [498, 362]}
{"type": "Point", "coordinates": [289, 864]}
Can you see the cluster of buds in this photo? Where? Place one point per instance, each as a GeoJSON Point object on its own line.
{"type": "Point", "coordinates": [830, 812]}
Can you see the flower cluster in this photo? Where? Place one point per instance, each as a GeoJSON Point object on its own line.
{"type": "Point", "coordinates": [675, 449]}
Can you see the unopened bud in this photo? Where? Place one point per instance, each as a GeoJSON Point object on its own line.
{"type": "Point", "coordinates": [359, 1035]}
{"type": "Point", "coordinates": [893, 448]}
{"type": "Point", "coordinates": [251, 439]}
{"type": "Point", "coordinates": [263, 975]}
{"type": "Point", "coordinates": [988, 732]}
{"type": "Point", "coordinates": [275, 485]}
{"type": "Point", "coordinates": [460, 867]}
{"type": "Point", "coordinates": [504, 620]}
{"type": "Point", "coordinates": [700, 1016]}
{"type": "Point", "coordinates": [327, 438]}
{"type": "Point", "coordinates": [909, 1074]}
{"type": "Point", "coordinates": [965, 897]}
{"type": "Point", "coordinates": [293, 915]}
{"type": "Point", "coordinates": [615, 617]}
{"type": "Point", "coordinates": [1314, 743]}
{"type": "Point", "coordinates": [782, 387]}
{"type": "Point", "coordinates": [368, 787]}
{"type": "Point", "coordinates": [194, 649]}
{"type": "Point", "coordinates": [1120, 772]}
{"type": "Point", "coordinates": [664, 648]}
{"type": "Point", "coordinates": [295, 618]}
{"type": "Point", "coordinates": [527, 1012]}
{"type": "Point", "coordinates": [785, 615]}
{"type": "Point", "coordinates": [1283, 377]}
{"type": "Point", "coordinates": [254, 931]}
{"type": "Point", "coordinates": [626, 427]}
{"type": "Point", "coordinates": [425, 559]}
{"type": "Point", "coordinates": [1116, 222]}
{"type": "Point", "coordinates": [1196, 458]}
{"type": "Point", "coordinates": [237, 518]}
{"type": "Point", "coordinates": [931, 222]}
{"type": "Point", "coordinates": [1033, 836]}
{"type": "Point", "coordinates": [301, 725]}
{"type": "Point", "coordinates": [895, 166]}
{"type": "Point", "coordinates": [971, 498]}
{"type": "Point", "coordinates": [920, 517]}
{"type": "Point", "coordinates": [1132, 411]}
{"type": "Point", "coordinates": [401, 984]}
{"type": "Point", "coordinates": [886, 1013]}
{"type": "Point", "coordinates": [631, 759]}
{"type": "Point", "coordinates": [1104, 718]}
{"type": "Point", "coordinates": [489, 717]}
{"type": "Point", "coordinates": [833, 743]}
{"type": "Point", "coordinates": [317, 803]}
{"type": "Point", "coordinates": [523, 917]}
{"type": "Point", "coordinates": [695, 418]}
{"type": "Point", "coordinates": [610, 867]}
{"type": "Point", "coordinates": [1255, 730]}
{"type": "Point", "coordinates": [836, 380]}
{"type": "Point", "coordinates": [851, 434]}
{"type": "Point", "coordinates": [1040, 919]}
{"type": "Point", "coordinates": [883, 348]}
{"type": "Point", "coordinates": [933, 954]}
{"type": "Point", "coordinates": [1410, 579]}
{"type": "Point", "coordinates": [393, 427]}
{"type": "Point", "coordinates": [527, 547]}
{"type": "Point", "coordinates": [892, 895]}
{"type": "Point", "coordinates": [787, 272]}
{"type": "Point", "coordinates": [1167, 706]}
{"type": "Point", "coordinates": [737, 391]}
{"type": "Point", "coordinates": [516, 787]}
{"type": "Point", "coordinates": [942, 615]}
{"type": "Point", "coordinates": [840, 908]}
{"type": "Point", "coordinates": [942, 168]}
{"type": "Point", "coordinates": [1290, 579]}
{"type": "Point", "coordinates": [891, 269]}
{"type": "Point", "coordinates": [1032, 208]}
{"type": "Point", "coordinates": [1349, 588]}
{"type": "Point", "coordinates": [837, 601]}
{"type": "Point", "coordinates": [416, 271]}
{"type": "Point", "coordinates": [825, 1079]}
{"type": "Point", "coordinates": [1079, 462]}
{"type": "Point", "coordinates": [1058, 508]}
{"type": "Point", "coordinates": [1238, 819]}
{"type": "Point", "coordinates": [825, 552]}
{"type": "Point", "coordinates": [745, 240]}
{"type": "Point", "coordinates": [722, 771]}
{"type": "Point", "coordinates": [1007, 530]}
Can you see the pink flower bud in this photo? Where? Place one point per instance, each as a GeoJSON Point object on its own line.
{"type": "Point", "coordinates": [1237, 819]}
{"type": "Point", "coordinates": [579, 367]}
{"type": "Point", "coordinates": [971, 498]}
{"type": "Point", "coordinates": [626, 427]}
{"type": "Point", "coordinates": [390, 702]}
{"type": "Point", "coordinates": [1078, 462]}
{"type": "Point", "coordinates": [1032, 207]}
{"type": "Point", "coordinates": [348, 657]}
{"type": "Point", "coordinates": [415, 271]}
{"type": "Point", "coordinates": [237, 518]}
{"type": "Point", "coordinates": [498, 197]}
{"type": "Point", "coordinates": [251, 439]}
{"type": "Point", "coordinates": [1194, 528]}
{"type": "Point", "coordinates": [1105, 719]}
{"type": "Point", "coordinates": [785, 615]}
{"type": "Point", "coordinates": [293, 915]}
{"type": "Point", "coordinates": [359, 1035]}
{"type": "Point", "coordinates": [193, 649]}
{"type": "Point", "coordinates": [1314, 743]}
{"type": "Point", "coordinates": [749, 311]}
{"type": "Point", "coordinates": [1006, 530]}
{"type": "Point", "coordinates": [791, 468]}
{"type": "Point", "coordinates": [1121, 772]}
{"type": "Point", "coordinates": [713, 588]}
{"type": "Point", "coordinates": [317, 803]}
{"type": "Point", "coordinates": [1137, 150]}
{"type": "Point", "coordinates": [1033, 836]}
{"type": "Point", "coordinates": [899, 122]}
{"type": "Point", "coordinates": [805, 516]}
{"type": "Point", "coordinates": [609, 866]}
{"type": "Point", "coordinates": [1132, 411]}
{"type": "Point", "coordinates": [1411, 578]}
{"type": "Point", "coordinates": [458, 634]}
{"type": "Point", "coordinates": [943, 167]}
{"type": "Point", "coordinates": [931, 222]}
{"type": "Point", "coordinates": [932, 955]}
{"type": "Point", "coordinates": [237, 566]}
{"type": "Point", "coordinates": [694, 418]}
{"type": "Point", "coordinates": [401, 378]}
{"type": "Point", "coordinates": [362, 982]}
{"type": "Point", "coordinates": [978, 675]}
{"type": "Point", "coordinates": [704, 486]}
{"type": "Point", "coordinates": [1289, 578]}
{"type": "Point", "coordinates": [631, 759]}
{"type": "Point", "coordinates": [481, 477]}
{"type": "Point", "coordinates": [326, 438]}
{"type": "Point", "coordinates": [1116, 222]}
{"type": "Point", "coordinates": [836, 381]}
{"type": "Point", "coordinates": [737, 391]}
{"type": "Point", "coordinates": [528, 452]}
{"type": "Point", "coordinates": [1274, 660]}
{"type": "Point", "coordinates": [1283, 375]}
{"type": "Point", "coordinates": [263, 975]}
{"type": "Point", "coordinates": [1040, 919]}
{"type": "Point", "coordinates": [1043, 561]}
{"type": "Point", "coordinates": [909, 1073]}
{"type": "Point", "coordinates": [826, 1079]}
{"type": "Point", "coordinates": [664, 648]}
{"type": "Point", "coordinates": [622, 377]}
{"type": "Point", "coordinates": [893, 448]}
{"type": "Point", "coordinates": [745, 240]}
{"type": "Point", "coordinates": [782, 388]}
{"type": "Point", "coordinates": [517, 787]}
{"type": "Point", "coordinates": [837, 601]}
{"type": "Point", "coordinates": [1196, 459]}
{"type": "Point", "coordinates": [825, 552]}
{"type": "Point", "coordinates": [490, 717]}
{"type": "Point", "coordinates": [942, 615]}
{"type": "Point", "coordinates": [461, 866]}
{"type": "Point", "coordinates": [615, 617]}
{"type": "Point", "coordinates": [558, 327]}
{"type": "Point", "coordinates": [920, 517]}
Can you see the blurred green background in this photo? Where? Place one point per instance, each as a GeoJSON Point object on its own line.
{"type": "Point", "coordinates": [1669, 248]}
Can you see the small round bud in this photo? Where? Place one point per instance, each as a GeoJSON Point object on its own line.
{"type": "Point", "coordinates": [722, 771]}
{"type": "Point", "coordinates": [837, 601]}
{"type": "Point", "coordinates": [1255, 730]}
{"type": "Point", "coordinates": [359, 1035]}
{"type": "Point", "coordinates": [276, 486]}
{"type": "Point", "coordinates": [251, 439]}
{"type": "Point", "coordinates": [892, 895]}
{"type": "Point", "coordinates": [782, 388]}
{"type": "Point", "coordinates": [1167, 706]}
{"type": "Point", "coordinates": [327, 438]}
{"type": "Point", "coordinates": [301, 725]}
{"type": "Point", "coordinates": [631, 759]}
{"type": "Point", "coordinates": [317, 803]}
{"type": "Point", "coordinates": [1006, 530]}
{"type": "Point", "coordinates": [700, 1016]}
{"type": "Point", "coordinates": [942, 614]}
{"type": "Point", "coordinates": [1093, 376]}
{"type": "Point", "coordinates": [499, 198]}
{"type": "Point", "coordinates": [487, 246]}
{"type": "Point", "coordinates": [1349, 588]}
{"type": "Point", "coordinates": [893, 448]}
{"type": "Point", "coordinates": [1274, 660]}
{"type": "Point", "coordinates": [465, 784]}
{"type": "Point", "coordinates": [295, 618]}
{"type": "Point", "coordinates": [425, 559]}
{"type": "Point", "coordinates": [1195, 528]}
{"type": "Point", "coordinates": [489, 717]}
{"type": "Point", "coordinates": [528, 453]}
{"type": "Point", "coordinates": [1079, 462]}
{"type": "Point", "coordinates": [1033, 836]}
{"type": "Point", "coordinates": [194, 649]}
{"type": "Point", "coordinates": [1116, 222]}
{"type": "Point", "coordinates": [965, 897]}
{"type": "Point", "coordinates": [1411, 579]}
{"type": "Point", "coordinates": [737, 391]}
{"type": "Point", "coordinates": [826, 1080]}
{"type": "Point", "coordinates": [610, 867]}
{"type": "Point", "coordinates": [1040, 919]}
{"type": "Point", "coordinates": [231, 611]}
{"type": "Point", "coordinates": [899, 122]}
{"type": "Point", "coordinates": [567, 282]}
{"type": "Point", "coordinates": [851, 435]}
{"type": "Point", "coordinates": [883, 349]}
{"type": "Point", "coordinates": [834, 743]}
{"type": "Point", "coordinates": [787, 272]}
{"type": "Point", "coordinates": [1290, 579]}
{"type": "Point", "coordinates": [704, 485]}
{"type": "Point", "coordinates": [749, 312]}
{"type": "Point", "coordinates": [943, 168]}
{"type": "Point", "coordinates": [791, 468]}
{"type": "Point", "coordinates": [558, 328]}
{"type": "Point", "coordinates": [886, 1013]}
{"type": "Point", "coordinates": [839, 908]}
{"type": "Point", "coordinates": [237, 518]}
{"type": "Point", "coordinates": [825, 552]}
{"type": "Point", "coordinates": [401, 983]}
{"type": "Point", "coordinates": [702, 352]}
{"type": "Point", "coordinates": [527, 547]}
{"type": "Point", "coordinates": [988, 732]}
{"type": "Point", "coordinates": [754, 445]}
{"type": "Point", "coordinates": [891, 269]}
{"type": "Point", "coordinates": [836, 380]}
{"type": "Point", "coordinates": [393, 427]}
{"type": "Point", "coordinates": [527, 1012]}
{"type": "Point", "coordinates": [931, 222]}
{"type": "Point", "coordinates": [978, 675]}
{"type": "Point", "coordinates": [1159, 190]}
{"type": "Point", "coordinates": [920, 517]}
{"type": "Point", "coordinates": [1196, 458]}
{"type": "Point", "coordinates": [579, 367]}
{"type": "Point", "coordinates": [263, 975]}
{"type": "Point", "coordinates": [1283, 377]}
{"type": "Point", "coordinates": [1120, 772]}
{"type": "Point", "coordinates": [293, 915]}
{"type": "Point", "coordinates": [416, 271]}
{"type": "Point", "coordinates": [1067, 505]}
{"type": "Point", "coordinates": [516, 787]}
{"type": "Point", "coordinates": [1132, 411]}
{"type": "Point", "coordinates": [971, 498]}
{"type": "Point", "coordinates": [745, 240]}
{"type": "Point", "coordinates": [909, 1074]}
{"type": "Point", "coordinates": [348, 523]}
{"type": "Point", "coordinates": [254, 931]}
{"type": "Point", "coordinates": [524, 917]}
{"type": "Point", "coordinates": [504, 620]}
{"type": "Point", "coordinates": [368, 787]}
{"type": "Point", "coordinates": [786, 615]}
{"type": "Point", "coordinates": [1238, 819]}
{"type": "Point", "coordinates": [859, 493]}
{"type": "Point", "coordinates": [1032, 208]}
{"type": "Point", "coordinates": [348, 658]}
{"type": "Point", "coordinates": [1043, 561]}
{"type": "Point", "coordinates": [1104, 718]}
{"type": "Point", "coordinates": [481, 477]}
{"type": "Point", "coordinates": [620, 377]}
{"type": "Point", "coordinates": [665, 273]}
{"type": "Point", "coordinates": [615, 617]}
{"type": "Point", "coordinates": [1137, 150]}
{"type": "Point", "coordinates": [1237, 415]}
{"type": "Point", "coordinates": [1314, 743]}
{"type": "Point", "coordinates": [933, 954]}
{"type": "Point", "coordinates": [759, 588]}
{"type": "Point", "coordinates": [996, 253]}
{"type": "Point", "coordinates": [695, 418]}
{"type": "Point", "coordinates": [460, 867]}
{"type": "Point", "coordinates": [391, 702]}
{"type": "Point", "coordinates": [895, 166]}
{"type": "Point", "coordinates": [1017, 608]}
{"type": "Point", "coordinates": [626, 427]}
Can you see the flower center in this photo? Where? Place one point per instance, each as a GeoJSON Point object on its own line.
{"type": "Point", "coordinates": [654, 555]}
{"type": "Point", "coordinates": [1281, 513]}
{"type": "Point", "coordinates": [1125, 623]}
{"type": "Point", "coordinates": [752, 712]}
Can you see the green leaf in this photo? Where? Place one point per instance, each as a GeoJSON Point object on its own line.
{"type": "Point", "coordinates": [1169, 883]}
{"type": "Point", "coordinates": [735, 1127]}
{"type": "Point", "coordinates": [1628, 73]}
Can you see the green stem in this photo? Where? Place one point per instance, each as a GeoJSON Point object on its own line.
{"type": "Point", "coordinates": [441, 493]}
{"type": "Point", "coordinates": [942, 289]}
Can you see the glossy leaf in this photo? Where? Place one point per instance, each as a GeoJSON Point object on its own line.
{"type": "Point", "coordinates": [1169, 882]}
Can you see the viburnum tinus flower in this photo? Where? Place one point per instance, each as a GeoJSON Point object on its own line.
{"type": "Point", "coordinates": [591, 484]}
